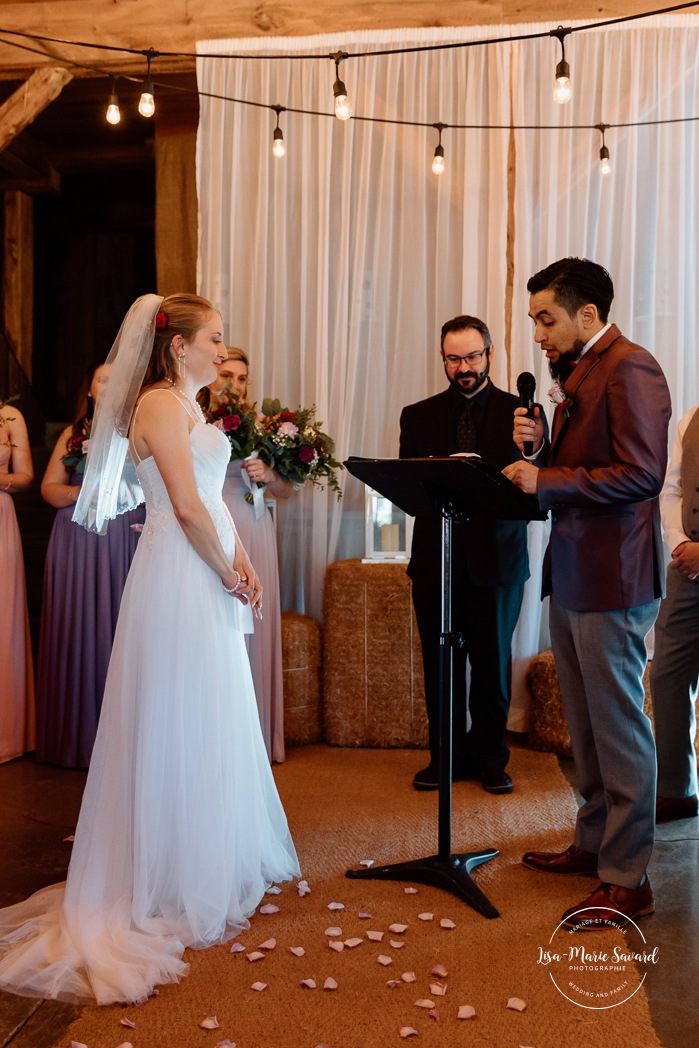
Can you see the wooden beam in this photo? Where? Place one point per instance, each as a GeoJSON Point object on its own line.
{"type": "Point", "coordinates": [29, 100]}
{"type": "Point", "coordinates": [18, 277]}
{"type": "Point", "coordinates": [176, 25]}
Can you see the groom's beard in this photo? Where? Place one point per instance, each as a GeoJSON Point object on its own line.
{"type": "Point", "coordinates": [562, 368]}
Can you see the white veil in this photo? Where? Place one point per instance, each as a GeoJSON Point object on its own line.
{"type": "Point", "coordinates": [110, 485]}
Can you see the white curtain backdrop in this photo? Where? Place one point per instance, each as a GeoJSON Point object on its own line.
{"type": "Point", "coordinates": [336, 266]}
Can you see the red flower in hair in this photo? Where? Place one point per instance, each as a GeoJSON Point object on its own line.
{"type": "Point", "coordinates": [160, 320]}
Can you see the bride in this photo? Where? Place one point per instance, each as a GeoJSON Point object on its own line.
{"type": "Point", "coordinates": [181, 829]}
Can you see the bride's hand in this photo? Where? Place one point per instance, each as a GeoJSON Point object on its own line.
{"type": "Point", "coordinates": [250, 585]}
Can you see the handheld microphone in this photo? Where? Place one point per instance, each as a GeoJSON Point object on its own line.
{"type": "Point", "coordinates": [526, 387]}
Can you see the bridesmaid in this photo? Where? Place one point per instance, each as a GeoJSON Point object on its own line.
{"type": "Point", "coordinates": [16, 670]}
{"type": "Point", "coordinates": [83, 582]}
{"type": "Point", "coordinates": [258, 537]}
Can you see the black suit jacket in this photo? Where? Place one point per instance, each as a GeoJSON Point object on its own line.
{"type": "Point", "coordinates": [491, 553]}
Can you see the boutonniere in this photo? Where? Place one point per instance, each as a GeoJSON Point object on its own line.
{"type": "Point", "coordinates": [558, 396]}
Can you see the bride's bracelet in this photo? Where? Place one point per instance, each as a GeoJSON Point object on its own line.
{"type": "Point", "coordinates": [235, 588]}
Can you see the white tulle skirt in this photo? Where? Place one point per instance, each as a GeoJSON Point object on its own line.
{"type": "Point", "coordinates": [181, 828]}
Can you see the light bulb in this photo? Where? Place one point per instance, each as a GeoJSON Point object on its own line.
{"type": "Point", "coordinates": [562, 92]}
{"type": "Point", "coordinates": [278, 147]}
{"type": "Point", "coordinates": [146, 104]}
{"type": "Point", "coordinates": [343, 109]}
{"type": "Point", "coordinates": [604, 165]}
{"type": "Point", "coordinates": [438, 161]}
{"type": "Point", "coordinates": [113, 111]}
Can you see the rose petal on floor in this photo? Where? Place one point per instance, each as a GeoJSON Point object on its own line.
{"type": "Point", "coordinates": [365, 916]}
{"type": "Point", "coordinates": [410, 891]}
{"type": "Point", "coordinates": [440, 971]}
{"type": "Point", "coordinates": [237, 947]}
{"type": "Point", "coordinates": [394, 983]}
{"type": "Point", "coordinates": [366, 862]}
{"type": "Point", "coordinates": [256, 955]}
{"type": "Point", "coordinates": [269, 908]}
{"type": "Point", "coordinates": [308, 984]}
{"type": "Point", "coordinates": [273, 890]}
{"type": "Point", "coordinates": [353, 942]}
{"type": "Point", "coordinates": [438, 989]}
{"type": "Point", "coordinates": [128, 1022]}
{"type": "Point", "coordinates": [338, 947]}
{"type": "Point", "coordinates": [330, 932]}
{"type": "Point", "coordinates": [303, 888]}
{"type": "Point", "coordinates": [375, 936]}
{"type": "Point", "coordinates": [336, 905]}
{"type": "Point", "coordinates": [259, 986]}
{"type": "Point", "coordinates": [409, 977]}
{"type": "Point", "coordinates": [398, 929]}
{"type": "Point", "coordinates": [424, 1002]}
{"type": "Point", "coordinates": [268, 944]}
{"type": "Point", "coordinates": [446, 923]}
{"type": "Point", "coordinates": [407, 1031]}
{"type": "Point", "coordinates": [516, 1004]}
{"type": "Point", "coordinates": [396, 945]}
{"type": "Point", "coordinates": [383, 959]}
{"type": "Point", "coordinates": [210, 1023]}
{"type": "Point", "coordinates": [329, 984]}
{"type": "Point", "coordinates": [298, 951]}
{"type": "Point", "coordinates": [425, 916]}
{"type": "Point", "coordinates": [434, 1014]}
{"type": "Point", "coordinates": [466, 1011]}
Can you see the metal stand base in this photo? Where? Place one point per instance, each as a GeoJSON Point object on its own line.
{"type": "Point", "coordinates": [451, 874]}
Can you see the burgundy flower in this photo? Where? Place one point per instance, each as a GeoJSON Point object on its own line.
{"type": "Point", "coordinates": [230, 422]}
{"type": "Point", "coordinates": [306, 453]}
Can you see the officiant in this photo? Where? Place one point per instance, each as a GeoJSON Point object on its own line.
{"type": "Point", "coordinates": [489, 563]}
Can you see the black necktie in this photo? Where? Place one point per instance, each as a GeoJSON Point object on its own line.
{"type": "Point", "coordinates": [465, 428]}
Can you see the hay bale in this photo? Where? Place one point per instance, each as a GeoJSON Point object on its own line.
{"type": "Point", "coordinates": [301, 657]}
{"type": "Point", "coordinates": [373, 684]}
{"type": "Point", "coordinates": [548, 728]}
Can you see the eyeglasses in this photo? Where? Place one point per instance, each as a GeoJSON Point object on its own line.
{"type": "Point", "coordinates": [470, 358]}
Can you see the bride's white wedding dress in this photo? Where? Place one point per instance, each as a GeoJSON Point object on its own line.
{"type": "Point", "coordinates": [181, 828]}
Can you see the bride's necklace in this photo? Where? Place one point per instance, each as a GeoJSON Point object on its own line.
{"type": "Point", "coordinates": [196, 407]}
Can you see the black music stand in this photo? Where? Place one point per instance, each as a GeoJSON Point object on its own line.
{"type": "Point", "coordinates": [451, 488]}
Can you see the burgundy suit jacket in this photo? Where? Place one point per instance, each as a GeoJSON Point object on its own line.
{"type": "Point", "coordinates": [600, 479]}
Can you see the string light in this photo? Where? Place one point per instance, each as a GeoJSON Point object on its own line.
{"type": "Point", "coordinates": [343, 109]}
{"type": "Point", "coordinates": [278, 147]}
{"type": "Point", "coordinates": [438, 160]}
{"type": "Point", "coordinates": [113, 111]}
{"type": "Point", "coordinates": [604, 165]}
{"type": "Point", "coordinates": [562, 91]}
{"type": "Point", "coordinates": [146, 103]}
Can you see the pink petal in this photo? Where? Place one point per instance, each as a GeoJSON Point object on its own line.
{"type": "Point", "coordinates": [433, 1014]}
{"type": "Point", "coordinates": [303, 888]}
{"type": "Point", "coordinates": [329, 984]}
{"type": "Point", "coordinates": [237, 947]}
{"type": "Point", "coordinates": [410, 891]}
{"type": "Point", "coordinates": [408, 977]}
{"type": "Point", "coordinates": [440, 971]}
{"type": "Point", "coordinates": [331, 932]}
{"type": "Point", "coordinates": [259, 986]}
{"type": "Point", "coordinates": [407, 1031]}
{"type": "Point", "coordinates": [308, 984]}
{"type": "Point", "coordinates": [466, 1011]}
{"type": "Point", "coordinates": [210, 1023]}
{"type": "Point", "coordinates": [365, 916]}
{"type": "Point", "coordinates": [125, 1044]}
{"type": "Point", "coordinates": [268, 944]}
{"type": "Point", "coordinates": [383, 959]}
{"type": "Point", "coordinates": [269, 908]}
{"type": "Point", "coordinates": [375, 936]}
{"type": "Point", "coordinates": [394, 983]}
{"type": "Point", "coordinates": [425, 916]}
{"type": "Point", "coordinates": [256, 955]}
{"type": "Point", "coordinates": [353, 942]}
{"type": "Point", "coordinates": [396, 945]}
{"type": "Point", "coordinates": [424, 1002]}
{"type": "Point", "coordinates": [71, 838]}
{"type": "Point", "coordinates": [397, 928]}
{"type": "Point", "coordinates": [77, 1044]}
{"type": "Point", "coordinates": [516, 1004]}
{"type": "Point", "coordinates": [298, 951]}
{"type": "Point", "coordinates": [338, 947]}
{"type": "Point", "coordinates": [128, 1022]}
{"type": "Point", "coordinates": [446, 923]}
{"type": "Point", "coordinates": [273, 890]}
{"type": "Point", "coordinates": [224, 1044]}
{"type": "Point", "coordinates": [366, 862]}
{"type": "Point", "coordinates": [336, 905]}
{"type": "Point", "coordinates": [438, 989]}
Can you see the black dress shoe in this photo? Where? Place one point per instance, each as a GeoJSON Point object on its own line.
{"type": "Point", "coordinates": [428, 778]}
{"type": "Point", "coordinates": [667, 809]}
{"type": "Point", "coordinates": [572, 860]}
{"type": "Point", "coordinates": [496, 782]}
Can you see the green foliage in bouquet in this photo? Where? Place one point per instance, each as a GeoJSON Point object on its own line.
{"type": "Point", "coordinates": [293, 444]}
{"type": "Point", "coordinates": [230, 413]}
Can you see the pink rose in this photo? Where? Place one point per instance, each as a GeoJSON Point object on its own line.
{"type": "Point", "coordinates": [230, 422]}
{"type": "Point", "coordinates": [288, 429]}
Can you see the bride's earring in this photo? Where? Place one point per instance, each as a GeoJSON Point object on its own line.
{"type": "Point", "coordinates": [182, 366]}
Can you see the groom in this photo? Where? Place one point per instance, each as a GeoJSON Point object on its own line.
{"type": "Point", "coordinates": [489, 562]}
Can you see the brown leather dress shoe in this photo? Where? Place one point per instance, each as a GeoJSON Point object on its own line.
{"type": "Point", "coordinates": [610, 906]}
{"type": "Point", "coordinates": [667, 809]}
{"type": "Point", "coordinates": [572, 860]}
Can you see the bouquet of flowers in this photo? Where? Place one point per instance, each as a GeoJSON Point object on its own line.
{"type": "Point", "coordinates": [292, 443]}
{"type": "Point", "coordinates": [74, 459]}
{"type": "Point", "coordinates": [230, 413]}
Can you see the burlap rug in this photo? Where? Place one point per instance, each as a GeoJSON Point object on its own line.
{"type": "Point", "coordinates": [345, 806]}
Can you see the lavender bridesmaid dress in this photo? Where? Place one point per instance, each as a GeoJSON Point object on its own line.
{"type": "Point", "coordinates": [83, 582]}
{"type": "Point", "coordinates": [16, 671]}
